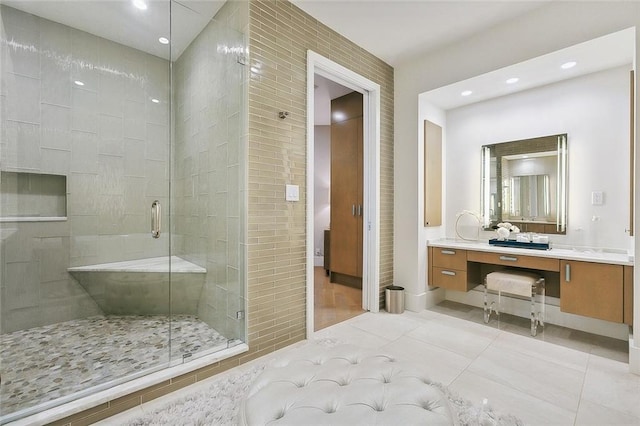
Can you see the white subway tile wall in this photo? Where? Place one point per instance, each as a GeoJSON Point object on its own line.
{"type": "Point", "coordinates": [106, 136]}
{"type": "Point", "coordinates": [207, 178]}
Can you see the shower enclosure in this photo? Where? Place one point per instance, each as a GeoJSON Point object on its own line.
{"type": "Point", "coordinates": [122, 192]}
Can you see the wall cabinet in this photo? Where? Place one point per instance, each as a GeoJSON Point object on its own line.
{"type": "Point", "coordinates": [346, 187]}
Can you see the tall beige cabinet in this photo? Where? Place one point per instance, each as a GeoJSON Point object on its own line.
{"type": "Point", "coordinates": [346, 189]}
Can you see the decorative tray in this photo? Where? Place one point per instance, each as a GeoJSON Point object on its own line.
{"type": "Point", "coordinates": [519, 244]}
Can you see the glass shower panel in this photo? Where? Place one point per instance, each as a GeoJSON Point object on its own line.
{"type": "Point", "coordinates": [208, 207]}
{"type": "Point", "coordinates": [84, 154]}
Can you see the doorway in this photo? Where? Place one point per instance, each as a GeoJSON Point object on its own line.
{"type": "Point", "coordinates": [318, 196]}
{"type": "Point", "coordinates": [338, 202]}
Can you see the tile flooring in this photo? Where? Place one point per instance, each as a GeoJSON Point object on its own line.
{"type": "Point", "coordinates": [542, 382]}
{"type": "Point", "coordinates": [44, 363]}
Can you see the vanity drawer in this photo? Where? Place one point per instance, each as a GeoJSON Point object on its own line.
{"type": "Point", "coordinates": [450, 258]}
{"type": "Point", "coordinates": [532, 262]}
{"type": "Point", "coordinates": [450, 279]}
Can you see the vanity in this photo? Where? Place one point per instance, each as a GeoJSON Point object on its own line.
{"type": "Point", "coordinates": [586, 283]}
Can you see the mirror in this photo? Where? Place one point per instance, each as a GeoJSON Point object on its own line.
{"type": "Point", "coordinates": [530, 197]}
{"type": "Point", "coordinates": [525, 182]}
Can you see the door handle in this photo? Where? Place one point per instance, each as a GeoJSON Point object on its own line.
{"type": "Point", "coordinates": [567, 272]}
{"type": "Point", "coordinates": [353, 209]}
{"type": "Point", "coordinates": [359, 209]}
{"type": "Point", "coordinates": [155, 219]}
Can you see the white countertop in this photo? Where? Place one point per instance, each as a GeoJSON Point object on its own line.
{"type": "Point", "coordinates": [619, 257]}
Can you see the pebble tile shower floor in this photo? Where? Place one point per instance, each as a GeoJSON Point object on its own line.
{"type": "Point", "coordinates": [44, 363]}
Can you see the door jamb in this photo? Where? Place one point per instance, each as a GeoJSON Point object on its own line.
{"type": "Point", "coordinates": [317, 64]}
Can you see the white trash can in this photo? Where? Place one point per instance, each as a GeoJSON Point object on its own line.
{"type": "Point", "coordinates": [394, 299]}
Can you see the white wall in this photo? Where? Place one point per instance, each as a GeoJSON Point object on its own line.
{"type": "Point", "coordinates": [322, 181]}
{"type": "Point", "coordinates": [542, 31]}
{"type": "Point", "coordinates": [593, 110]}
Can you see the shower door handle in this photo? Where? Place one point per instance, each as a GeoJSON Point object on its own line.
{"type": "Point", "coordinates": [155, 219]}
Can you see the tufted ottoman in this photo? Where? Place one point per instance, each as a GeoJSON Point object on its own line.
{"type": "Point", "coordinates": [343, 385]}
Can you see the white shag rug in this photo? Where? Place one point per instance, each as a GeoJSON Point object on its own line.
{"type": "Point", "coordinates": [218, 403]}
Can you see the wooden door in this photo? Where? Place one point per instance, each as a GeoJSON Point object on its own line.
{"type": "Point", "coordinates": [592, 289]}
{"type": "Point", "coordinates": [344, 196]}
{"type": "Point", "coordinates": [347, 163]}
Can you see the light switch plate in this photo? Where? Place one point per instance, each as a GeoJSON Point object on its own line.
{"type": "Point", "coordinates": [597, 198]}
{"type": "Point", "coordinates": [292, 193]}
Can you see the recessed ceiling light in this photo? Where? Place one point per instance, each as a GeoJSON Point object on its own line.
{"type": "Point", "coordinates": [140, 4]}
{"type": "Point", "coordinates": [466, 93]}
{"type": "Point", "coordinates": [155, 101]}
{"type": "Point", "coordinates": [568, 65]}
{"type": "Point", "coordinates": [513, 80]}
{"type": "Point", "coordinates": [78, 83]}
{"type": "Point", "coordinates": [163, 40]}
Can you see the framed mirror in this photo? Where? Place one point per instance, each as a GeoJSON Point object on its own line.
{"type": "Point", "coordinates": [525, 182]}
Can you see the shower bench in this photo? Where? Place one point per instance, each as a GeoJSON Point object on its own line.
{"type": "Point", "coordinates": [143, 286]}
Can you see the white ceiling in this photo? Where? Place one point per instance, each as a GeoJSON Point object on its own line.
{"type": "Point", "coordinates": [120, 21]}
{"type": "Point", "coordinates": [602, 53]}
{"type": "Point", "coordinates": [393, 30]}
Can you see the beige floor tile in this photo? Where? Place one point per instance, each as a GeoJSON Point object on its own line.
{"type": "Point", "coordinates": [346, 333]}
{"type": "Point", "coordinates": [609, 384]}
{"type": "Point", "coordinates": [506, 400]}
{"type": "Point", "coordinates": [387, 326]}
{"type": "Point", "coordinates": [439, 364]}
{"type": "Point", "coordinates": [452, 336]}
{"type": "Point", "coordinates": [543, 351]}
{"type": "Point", "coordinates": [545, 380]}
{"type": "Point", "coordinates": [590, 413]}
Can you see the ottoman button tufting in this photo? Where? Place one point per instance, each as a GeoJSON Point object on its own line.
{"type": "Point", "coordinates": [370, 391]}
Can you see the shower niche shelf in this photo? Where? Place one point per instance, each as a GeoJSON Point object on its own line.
{"type": "Point", "coordinates": [32, 197]}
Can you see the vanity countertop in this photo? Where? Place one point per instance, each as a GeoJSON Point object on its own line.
{"type": "Point", "coordinates": [620, 257]}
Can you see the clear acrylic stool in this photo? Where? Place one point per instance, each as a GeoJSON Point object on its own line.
{"type": "Point", "coordinates": [519, 283]}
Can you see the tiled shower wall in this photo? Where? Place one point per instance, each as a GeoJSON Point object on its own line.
{"type": "Point", "coordinates": [107, 137]}
{"type": "Point", "coordinates": [210, 164]}
{"type": "Point", "coordinates": [280, 35]}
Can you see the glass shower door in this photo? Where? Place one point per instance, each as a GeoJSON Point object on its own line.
{"type": "Point", "coordinates": [85, 116]}
{"type": "Point", "coordinates": [208, 210]}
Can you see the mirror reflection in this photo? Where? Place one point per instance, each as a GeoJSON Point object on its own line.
{"type": "Point", "coordinates": [530, 197]}
{"type": "Point", "coordinates": [524, 182]}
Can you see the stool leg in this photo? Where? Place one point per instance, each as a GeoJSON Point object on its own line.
{"type": "Point", "coordinates": [537, 318]}
{"type": "Point", "coordinates": [534, 320]}
{"type": "Point", "coordinates": [541, 317]}
{"type": "Point", "coordinates": [487, 309]}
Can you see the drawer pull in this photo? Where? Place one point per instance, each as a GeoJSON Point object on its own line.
{"type": "Point", "coordinates": [509, 258]}
{"type": "Point", "coordinates": [447, 252]}
{"type": "Point", "coordinates": [450, 273]}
